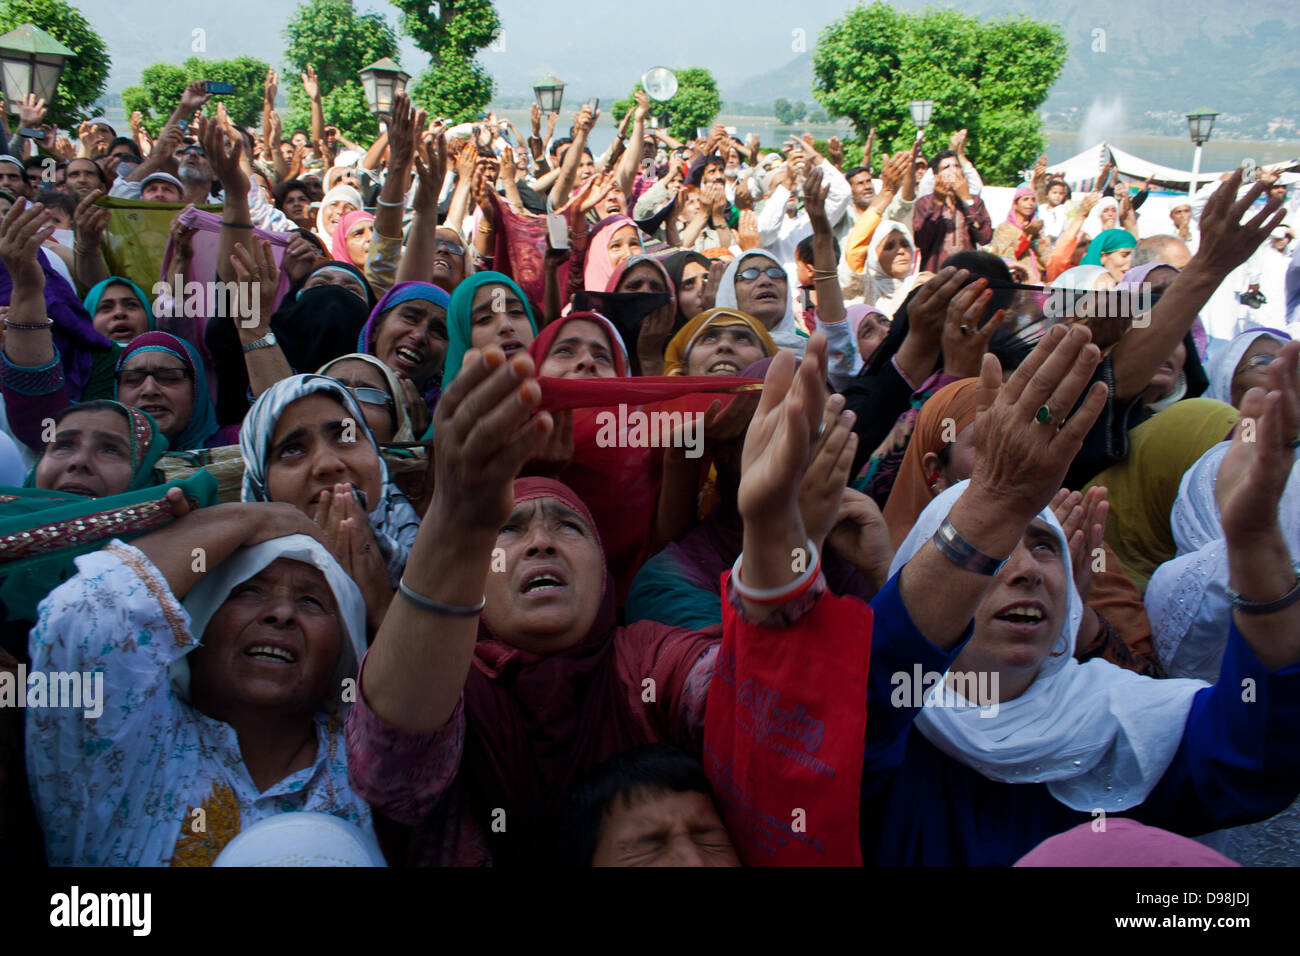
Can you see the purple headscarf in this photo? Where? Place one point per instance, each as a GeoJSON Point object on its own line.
{"type": "Point", "coordinates": [405, 292]}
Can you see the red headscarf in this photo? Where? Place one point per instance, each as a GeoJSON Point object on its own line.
{"type": "Point", "coordinates": [538, 722]}
{"type": "Point", "coordinates": [541, 346]}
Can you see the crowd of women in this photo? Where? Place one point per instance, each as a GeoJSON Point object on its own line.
{"type": "Point", "coordinates": [379, 561]}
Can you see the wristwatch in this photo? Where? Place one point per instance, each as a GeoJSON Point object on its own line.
{"type": "Point", "coordinates": [265, 342]}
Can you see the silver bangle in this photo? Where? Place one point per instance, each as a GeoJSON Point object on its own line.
{"type": "Point", "coordinates": [1266, 607]}
{"type": "Point", "coordinates": [450, 610]}
{"type": "Point", "coordinates": [964, 554]}
{"type": "Point", "coordinates": [391, 205]}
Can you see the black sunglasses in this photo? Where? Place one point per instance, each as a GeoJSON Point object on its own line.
{"type": "Point", "coordinates": [132, 377]}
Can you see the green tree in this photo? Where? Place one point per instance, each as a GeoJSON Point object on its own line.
{"type": "Point", "coordinates": [781, 110]}
{"type": "Point", "coordinates": [86, 75]}
{"type": "Point", "coordinates": [161, 84]}
{"type": "Point", "coordinates": [694, 105]}
{"type": "Point", "coordinates": [798, 110]}
{"type": "Point", "coordinates": [335, 41]}
{"type": "Point", "coordinates": [455, 85]}
{"type": "Point", "coordinates": [986, 77]}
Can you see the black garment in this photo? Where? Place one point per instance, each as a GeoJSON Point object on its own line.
{"type": "Point", "coordinates": [626, 310]}
{"type": "Point", "coordinates": [310, 327]}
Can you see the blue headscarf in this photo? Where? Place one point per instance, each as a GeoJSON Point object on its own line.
{"type": "Point", "coordinates": [202, 426]}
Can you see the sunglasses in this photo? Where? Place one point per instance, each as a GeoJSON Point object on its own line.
{"type": "Point", "coordinates": [446, 245]}
{"type": "Point", "coordinates": [370, 396]}
{"type": "Point", "coordinates": [163, 376]}
{"type": "Point", "coordinates": [192, 149]}
{"type": "Point", "coordinates": [772, 272]}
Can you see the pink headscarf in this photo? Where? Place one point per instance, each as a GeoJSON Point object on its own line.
{"type": "Point", "coordinates": [339, 241]}
{"type": "Point", "coordinates": [1122, 843]}
{"type": "Point", "coordinates": [1014, 216]}
{"type": "Point", "coordinates": [599, 266]}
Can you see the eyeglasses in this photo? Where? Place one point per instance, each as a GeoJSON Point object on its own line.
{"type": "Point", "coordinates": [772, 272]}
{"type": "Point", "coordinates": [1257, 361]}
{"type": "Point", "coordinates": [371, 396]}
{"type": "Point", "coordinates": [132, 377]}
{"type": "Point", "coordinates": [192, 149]}
{"type": "Point", "coordinates": [446, 245]}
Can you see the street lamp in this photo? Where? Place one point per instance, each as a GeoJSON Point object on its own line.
{"type": "Point", "coordinates": [921, 112]}
{"type": "Point", "coordinates": [382, 81]}
{"type": "Point", "coordinates": [31, 61]}
{"type": "Point", "coordinates": [549, 92]}
{"type": "Point", "coordinates": [1199, 126]}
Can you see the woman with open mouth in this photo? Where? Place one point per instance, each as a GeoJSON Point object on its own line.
{"type": "Point", "coordinates": [161, 374]}
{"type": "Point", "coordinates": [407, 331]}
{"type": "Point", "coordinates": [718, 342]}
{"type": "Point", "coordinates": [119, 309]}
{"type": "Point", "coordinates": [488, 308]}
{"type": "Point", "coordinates": [756, 284]}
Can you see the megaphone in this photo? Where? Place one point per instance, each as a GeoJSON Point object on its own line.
{"type": "Point", "coordinates": [659, 83]}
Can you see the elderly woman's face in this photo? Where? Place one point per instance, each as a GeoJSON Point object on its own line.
{"type": "Point", "coordinates": [358, 241]}
{"type": "Point", "coordinates": [170, 401]}
{"type": "Point", "coordinates": [763, 297]}
{"type": "Point", "coordinates": [334, 212]}
{"type": "Point", "coordinates": [548, 597]}
{"type": "Point", "coordinates": [274, 643]}
{"type": "Point", "coordinates": [448, 260]}
{"type": "Point", "coordinates": [412, 339]}
{"type": "Point", "coordinates": [895, 255]}
{"type": "Point", "coordinates": [315, 445]}
{"type": "Point", "coordinates": [1109, 216]}
{"type": "Point", "coordinates": [581, 350]}
{"type": "Point", "coordinates": [1023, 613]}
{"type": "Point", "coordinates": [90, 455]}
{"type": "Point", "coordinates": [355, 374]}
{"type": "Point", "coordinates": [724, 350]}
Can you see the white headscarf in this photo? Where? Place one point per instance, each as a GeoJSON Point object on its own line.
{"type": "Point", "coordinates": [884, 291]}
{"type": "Point", "coordinates": [1099, 736]}
{"type": "Point", "coordinates": [1223, 367]}
{"type": "Point", "coordinates": [212, 590]}
{"type": "Point", "coordinates": [392, 518]}
{"type": "Point", "coordinates": [1185, 598]}
{"type": "Point", "coordinates": [785, 333]}
{"type": "Point", "coordinates": [340, 193]}
{"type": "Point", "coordinates": [1079, 278]}
{"type": "Point", "coordinates": [302, 839]}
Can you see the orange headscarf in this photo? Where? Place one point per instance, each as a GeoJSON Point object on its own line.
{"type": "Point", "coordinates": [911, 491]}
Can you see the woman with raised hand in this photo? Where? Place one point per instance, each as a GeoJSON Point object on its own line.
{"type": "Point", "coordinates": [1018, 741]}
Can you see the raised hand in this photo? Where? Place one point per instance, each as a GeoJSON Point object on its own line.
{"type": "Point", "coordinates": [193, 97]}
{"type": "Point", "coordinates": [224, 156]}
{"type": "Point", "coordinates": [1226, 242]}
{"type": "Point", "coordinates": [89, 221]}
{"type": "Point", "coordinates": [653, 336]}
{"type": "Point", "coordinates": [535, 117]}
{"type": "Point", "coordinates": [957, 142]}
{"type": "Point", "coordinates": [828, 472]}
{"type": "Point", "coordinates": [258, 266]}
{"type": "Point", "coordinates": [31, 111]}
{"type": "Point", "coordinates": [893, 172]}
{"type": "Point", "coordinates": [642, 104]}
{"type": "Point", "coordinates": [1083, 521]}
{"type": "Point", "coordinates": [814, 199]}
{"type": "Point", "coordinates": [182, 236]}
{"type": "Point", "coordinates": [403, 130]}
{"type": "Point", "coordinates": [964, 342]}
{"type": "Point", "coordinates": [271, 88]}
{"type": "Point", "coordinates": [431, 167]}
{"type": "Point", "coordinates": [484, 430]}
{"type": "Point", "coordinates": [1025, 434]}
{"type": "Point", "coordinates": [22, 232]}
{"type": "Point", "coordinates": [466, 162]}
{"type": "Point", "coordinates": [747, 231]}
{"type": "Point", "coordinates": [861, 537]}
{"type": "Point", "coordinates": [310, 85]}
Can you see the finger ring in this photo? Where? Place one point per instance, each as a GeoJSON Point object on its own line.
{"type": "Point", "coordinates": [965, 329]}
{"type": "Point", "coordinates": [1044, 417]}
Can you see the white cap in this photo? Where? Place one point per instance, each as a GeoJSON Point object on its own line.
{"type": "Point", "coordinates": [302, 839]}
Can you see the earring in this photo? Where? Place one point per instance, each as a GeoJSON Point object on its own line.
{"type": "Point", "coordinates": [1066, 646]}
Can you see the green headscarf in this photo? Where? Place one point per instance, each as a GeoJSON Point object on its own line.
{"type": "Point", "coordinates": [97, 292]}
{"type": "Point", "coordinates": [1108, 240]}
{"type": "Point", "coordinates": [148, 444]}
{"type": "Point", "coordinates": [458, 317]}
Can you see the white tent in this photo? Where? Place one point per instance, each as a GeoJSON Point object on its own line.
{"type": "Point", "coordinates": [1082, 170]}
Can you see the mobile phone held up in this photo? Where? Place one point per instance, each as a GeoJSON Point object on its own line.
{"type": "Point", "coordinates": [218, 86]}
{"type": "Point", "coordinates": [30, 133]}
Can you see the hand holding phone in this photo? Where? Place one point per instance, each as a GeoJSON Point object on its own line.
{"type": "Point", "coordinates": [218, 86]}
